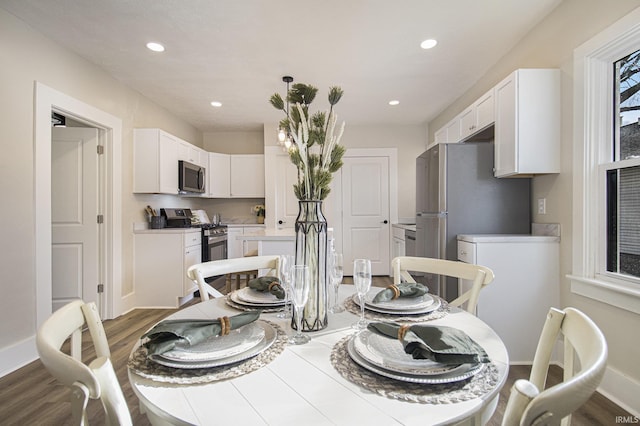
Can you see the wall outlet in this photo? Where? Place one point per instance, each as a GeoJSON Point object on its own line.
{"type": "Point", "coordinates": [542, 206]}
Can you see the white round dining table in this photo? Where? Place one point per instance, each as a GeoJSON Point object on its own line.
{"type": "Point", "coordinates": [302, 387]}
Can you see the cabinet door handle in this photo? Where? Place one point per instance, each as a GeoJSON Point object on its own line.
{"type": "Point", "coordinates": [463, 253]}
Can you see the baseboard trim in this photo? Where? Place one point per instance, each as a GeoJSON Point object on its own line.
{"type": "Point", "coordinates": [622, 390]}
{"type": "Point", "coordinates": [17, 356]}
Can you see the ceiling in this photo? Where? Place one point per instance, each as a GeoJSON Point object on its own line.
{"type": "Point", "coordinates": [236, 51]}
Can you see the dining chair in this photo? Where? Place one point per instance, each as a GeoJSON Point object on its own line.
{"type": "Point", "coordinates": [201, 271]}
{"type": "Point", "coordinates": [529, 402]}
{"type": "Point", "coordinates": [481, 276]}
{"type": "Point", "coordinates": [95, 380]}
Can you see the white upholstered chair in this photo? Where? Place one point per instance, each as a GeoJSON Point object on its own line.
{"type": "Point", "coordinates": [96, 380]}
{"type": "Point", "coordinates": [214, 268]}
{"type": "Point", "coordinates": [530, 403]}
{"type": "Point", "coordinates": [481, 276]}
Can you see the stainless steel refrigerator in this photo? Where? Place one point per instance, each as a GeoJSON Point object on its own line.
{"type": "Point", "coordinates": [456, 193]}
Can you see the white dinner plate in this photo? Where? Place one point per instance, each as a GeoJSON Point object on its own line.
{"type": "Point", "coordinates": [276, 304]}
{"type": "Point", "coordinates": [270, 335]}
{"type": "Point", "coordinates": [218, 347]}
{"type": "Point", "coordinates": [389, 354]}
{"type": "Point", "coordinates": [472, 370]}
{"type": "Point", "coordinates": [432, 307]}
{"type": "Point", "coordinates": [399, 304]}
{"type": "Point", "coordinates": [249, 295]}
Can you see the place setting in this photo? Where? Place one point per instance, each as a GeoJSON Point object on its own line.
{"type": "Point", "coordinates": [417, 362]}
{"type": "Point", "coordinates": [409, 302]}
{"type": "Point", "coordinates": [206, 350]}
{"type": "Point", "coordinates": [266, 294]}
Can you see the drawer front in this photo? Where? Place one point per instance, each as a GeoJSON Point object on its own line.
{"type": "Point", "coordinates": [466, 252]}
{"type": "Point", "coordinates": [398, 232]}
{"type": "Point", "coordinates": [192, 238]}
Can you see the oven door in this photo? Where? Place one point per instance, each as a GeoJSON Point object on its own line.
{"type": "Point", "coordinates": [214, 248]}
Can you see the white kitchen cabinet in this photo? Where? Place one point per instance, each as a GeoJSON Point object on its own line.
{"type": "Point", "coordinates": [247, 176]}
{"type": "Point", "coordinates": [192, 154]}
{"type": "Point", "coordinates": [450, 132]}
{"type": "Point", "coordinates": [398, 241]}
{"type": "Point", "coordinates": [527, 129]}
{"type": "Point", "coordinates": [477, 117]}
{"type": "Point", "coordinates": [526, 285]}
{"type": "Point", "coordinates": [155, 162]}
{"type": "Point", "coordinates": [219, 172]}
{"type": "Point", "coordinates": [238, 248]}
{"type": "Point", "coordinates": [161, 260]}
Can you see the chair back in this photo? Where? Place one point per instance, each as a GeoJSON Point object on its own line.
{"type": "Point", "coordinates": [481, 276]}
{"type": "Point", "coordinates": [531, 404]}
{"type": "Point", "coordinates": [96, 380]}
{"type": "Point", "coordinates": [201, 271]}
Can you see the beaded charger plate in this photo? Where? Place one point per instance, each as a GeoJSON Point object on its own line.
{"type": "Point", "coordinates": [442, 311]}
{"type": "Point", "coordinates": [144, 367]}
{"type": "Point", "coordinates": [443, 393]}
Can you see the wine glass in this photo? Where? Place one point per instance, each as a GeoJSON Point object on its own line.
{"type": "Point", "coordinates": [336, 274]}
{"type": "Point", "coordinates": [286, 264]}
{"type": "Point", "coordinates": [362, 280]}
{"type": "Point", "coordinates": [300, 294]}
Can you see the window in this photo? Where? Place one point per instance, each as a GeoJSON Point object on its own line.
{"type": "Point", "coordinates": [606, 199]}
{"type": "Point", "coordinates": [622, 196]}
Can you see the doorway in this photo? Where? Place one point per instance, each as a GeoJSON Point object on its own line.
{"type": "Point", "coordinates": [76, 196]}
{"type": "Point", "coordinates": [110, 133]}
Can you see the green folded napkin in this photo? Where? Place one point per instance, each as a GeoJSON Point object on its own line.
{"type": "Point", "coordinates": [441, 344]}
{"type": "Point", "coordinates": [405, 289]}
{"type": "Point", "coordinates": [264, 284]}
{"type": "Point", "coordinates": [164, 335]}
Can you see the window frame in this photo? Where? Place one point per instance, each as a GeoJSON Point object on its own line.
{"type": "Point", "coordinates": [593, 139]}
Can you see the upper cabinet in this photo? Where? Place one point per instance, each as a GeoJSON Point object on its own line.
{"type": "Point", "coordinates": [155, 159]}
{"type": "Point", "coordinates": [527, 127]}
{"type": "Point", "coordinates": [477, 117]}
{"type": "Point", "coordinates": [247, 176]}
{"type": "Point", "coordinates": [192, 154]}
{"type": "Point", "coordinates": [522, 116]}
{"type": "Point", "coordinates": [219, 171]}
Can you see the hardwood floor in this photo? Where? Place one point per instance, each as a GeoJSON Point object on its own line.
{"type": "Point", "coordinates": [31, 396]}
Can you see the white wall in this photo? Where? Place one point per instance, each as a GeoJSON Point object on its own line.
{"type": "Point", "coordinates": [27, 56]}
{"type": "Point", "coordinates": [551, 44]}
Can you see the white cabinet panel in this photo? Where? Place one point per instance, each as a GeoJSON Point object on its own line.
{"type": "Point", "coordinates": [526, 285]}
{"type": "Point", "coordinates": [161, 260]}
{"type": "Point", "coordinates": [247, 176]}
{"type": "Point", "coordinates": [527, 131]}
{"type": "Point", "coordinates": [219, 173]}
{"type": "Point", "coordinates": [155, 162]}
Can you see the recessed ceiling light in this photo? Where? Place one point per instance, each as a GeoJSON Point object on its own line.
{"type": "Point", "coordinates": [216, 104]}
{"type": "Point", "coordinates": [156, 47]}
{"type": "Point", "coordinates": [428, 44]}
{"type": "Point", "coordinates": [394, 102]}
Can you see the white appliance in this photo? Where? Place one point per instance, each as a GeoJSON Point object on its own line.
{"type": "Point", "coordinates": [526, 285]}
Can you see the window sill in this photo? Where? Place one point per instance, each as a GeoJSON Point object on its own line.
{"type": "Point", "coordinates": [613, 293]}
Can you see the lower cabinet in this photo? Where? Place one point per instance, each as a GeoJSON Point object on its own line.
{"type": "Point", "coordinates": [161, 260]}
{"type": "Point", "coordinates": [238, 248]}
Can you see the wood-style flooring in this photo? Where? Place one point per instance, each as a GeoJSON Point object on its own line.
{"type": "Point", "coordinates": [31, 396]}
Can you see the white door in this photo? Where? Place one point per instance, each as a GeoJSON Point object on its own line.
{"type": "Point", "coordinates": [286, 201]}
{"type": "Point", "coordinates": [74, 210]}
{"type": "Point", "coordinates": [365, 205]}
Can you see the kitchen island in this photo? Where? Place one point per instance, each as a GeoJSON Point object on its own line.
{"type": "Point", "coordinates": [271, 241]}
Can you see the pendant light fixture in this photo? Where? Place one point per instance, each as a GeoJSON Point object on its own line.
{"type": "Point", "coordinates": [284, 137]}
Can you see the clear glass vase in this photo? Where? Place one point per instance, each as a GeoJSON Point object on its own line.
{"type": "Point", "coordinates": [311, 250]}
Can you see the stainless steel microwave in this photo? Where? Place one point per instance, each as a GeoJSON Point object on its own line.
{"type": "Point", "coordinates": [190, 177]}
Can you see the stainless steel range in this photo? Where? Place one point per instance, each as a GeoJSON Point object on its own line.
{"type": "Point", "coordinates": [214, 242]}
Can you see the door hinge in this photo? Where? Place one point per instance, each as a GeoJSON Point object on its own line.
{"type": "Point", "coordinates": [100, 288]}
{"type": "Point", "coordinates": [100, 218]}
{"type": "Point", "coordinates": [100, 149]}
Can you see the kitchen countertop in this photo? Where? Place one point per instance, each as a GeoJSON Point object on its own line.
{"type": "Point", "coordinates": [269, 234]}
{"type": "Point", "coordinates": [407, 226]}
{"type": "Point", "coordinates": [142, 230]}
{"type": "Point", "coordinates": [507, 238]}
